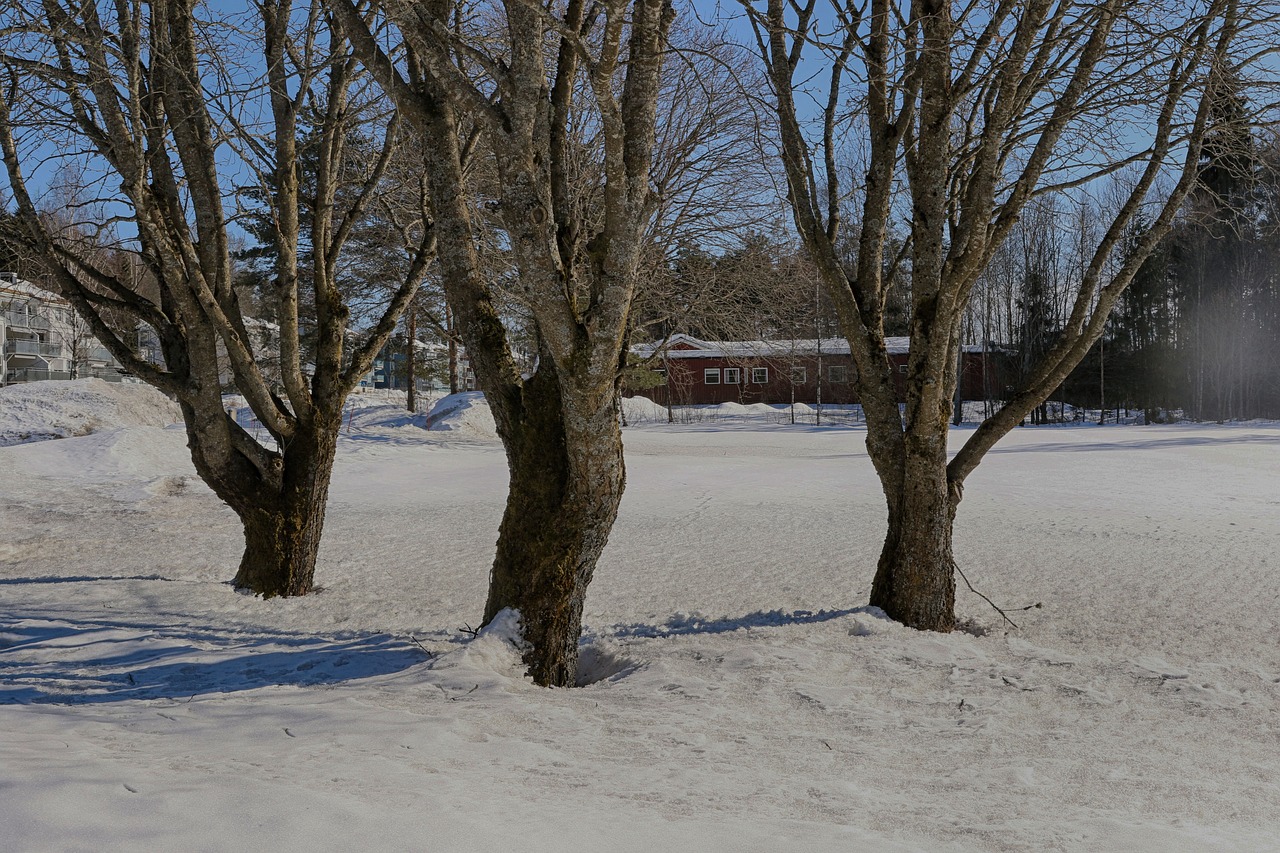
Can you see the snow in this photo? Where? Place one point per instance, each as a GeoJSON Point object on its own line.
{"type": "Point", "coordinates": [466, 413]}
{"type": "Point", "coordinates": [739, 695]}
{"type": "Point", "coordinates": [641, 410]}
{"type": "Point", "coordinates": [36, 411]}
{"type": "Point", "coordinates": [22, 287]}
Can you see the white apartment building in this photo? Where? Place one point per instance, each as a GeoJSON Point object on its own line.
{"type": "Point", "coordinates": [41, 338]}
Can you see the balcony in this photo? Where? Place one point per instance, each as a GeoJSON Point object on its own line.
{"type": "Point", "coordinates": [23, 320]}
{"type": "Point", "coordinates": [35, 375]}
{"type": "Point", "coordinates": [20, 347]}
{"type": "Point", "coordinates": [106, 374]}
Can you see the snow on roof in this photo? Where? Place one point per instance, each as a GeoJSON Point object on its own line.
{"type": "Point", "coordinates": [14, 286]}
{"type": "Point", "coordinates": [687, 346]}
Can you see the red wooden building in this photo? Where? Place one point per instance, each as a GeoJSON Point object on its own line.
{"type": "Point", "coordinates": [702, 372]}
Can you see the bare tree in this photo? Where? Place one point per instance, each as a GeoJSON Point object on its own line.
{"type": "Point", "coordinates": [958, 115]}
{"type": "Point", "coordinates": [714, 178]}
{"type": "Point", "coordinates": [160, 103]}
{"type": "Point", "coordinates": [544, 85]}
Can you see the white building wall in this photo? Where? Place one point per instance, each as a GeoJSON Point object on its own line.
{"type": "Point", "coordinates": [40, 336]}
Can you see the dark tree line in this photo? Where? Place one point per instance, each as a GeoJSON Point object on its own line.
{"type": "Point", "coordinates": [1196, 334]}
{"type": "Point", "coordinates": [1199, 330]}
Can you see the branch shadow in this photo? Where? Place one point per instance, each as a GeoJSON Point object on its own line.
{"type": "Point", "coordinates": [86, 662]}
{"type": "Point", "coordinates": [1158, 443]}
{"type": "Point", "coordinates": [52, 579]}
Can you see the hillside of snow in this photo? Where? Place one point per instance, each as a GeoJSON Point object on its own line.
{"type": "Point", "coordinates": [739, 694]}
{"type": "Point", "coordinates": [37, 411]}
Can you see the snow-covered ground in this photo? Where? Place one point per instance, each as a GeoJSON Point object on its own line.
{"type": "Point", "coordinates": [744, 698]}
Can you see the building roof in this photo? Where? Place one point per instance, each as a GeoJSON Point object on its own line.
{"type": "Point", "coordinates": [687, 346]}
{"type": "Point", "coordinates": [12, 286]}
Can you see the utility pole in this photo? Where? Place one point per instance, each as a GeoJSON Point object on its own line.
{"type": "Point", "coordinates": [412, 346]}
{"type": "Point", "coordinates": [1102, 380]}
{"type": "Point", "coordinates": [453, 350]}
{"type": "Point", "coordinates": [817, 328]}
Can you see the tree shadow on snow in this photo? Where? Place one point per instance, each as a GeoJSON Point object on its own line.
{"type": "Point", "coordinates": [43, 579]}
{"type": "Point", "coordinates": [57, 661]}
{"type": "Point", "coordinates": [683, 624]}
{"type": "Point", "coordinates": [1167, 441]}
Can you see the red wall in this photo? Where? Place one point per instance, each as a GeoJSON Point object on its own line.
{"type": "Point", "coordinates": [685, 384]}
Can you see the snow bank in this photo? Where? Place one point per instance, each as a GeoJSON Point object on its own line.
{"type": "Point", "coordinates": [640, 410]}
{"type": "Point", "coordinates": [492, 660]}
{"type": "Point", "coordinates": [732, 410]}
{"type": "Point", "coordinates": [363, 398]}
{"type": "Point", "coordinates": [36, 411]}
{"type": "Point", "coordinates": [383, 419]}
{"type": "Point", "coordinates": [466, 413]}
{"type": "Point", "coordinates": [748, 410]}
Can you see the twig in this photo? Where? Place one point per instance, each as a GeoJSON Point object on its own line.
{"type": "Point", "coordinates": [429, 653]}
{"type": "Point", "coordinates": [992, 603]}
{"type": "Point", "coordinates": [467, 629]}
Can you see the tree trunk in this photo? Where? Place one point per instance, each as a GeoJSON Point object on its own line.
{"type": "Point", "coordinates": [915, 580]}
{"type": "Point", "coordinates": [282, 528]}
{"type": "Point", "coordinates": [566, 483]}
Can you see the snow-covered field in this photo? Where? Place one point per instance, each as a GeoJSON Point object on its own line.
{"type": "Point", "coordinates": [744, 698]}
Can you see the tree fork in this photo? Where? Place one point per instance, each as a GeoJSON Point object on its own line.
{"type": "Point", "coordinates": [282, 529]}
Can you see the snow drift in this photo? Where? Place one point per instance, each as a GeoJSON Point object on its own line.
{"type": "Point", "coordinates": [640, 410]}
{"type": "Point", "coordinates": [36, 411]}
{"type": "Point", "coordinates": [466, 413]}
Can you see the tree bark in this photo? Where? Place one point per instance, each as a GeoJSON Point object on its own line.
{"type": "Point", "coordinates": [566, 483]}
{"type": "Point", "coordinates": [453, 351]}
{"type": "Point", "coordinates": [915, 578]}
{"type": "Point", "coordinates": [283, 522]}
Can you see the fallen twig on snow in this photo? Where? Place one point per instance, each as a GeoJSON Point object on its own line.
{"type": "Point", "coordinates": [997, 608]}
